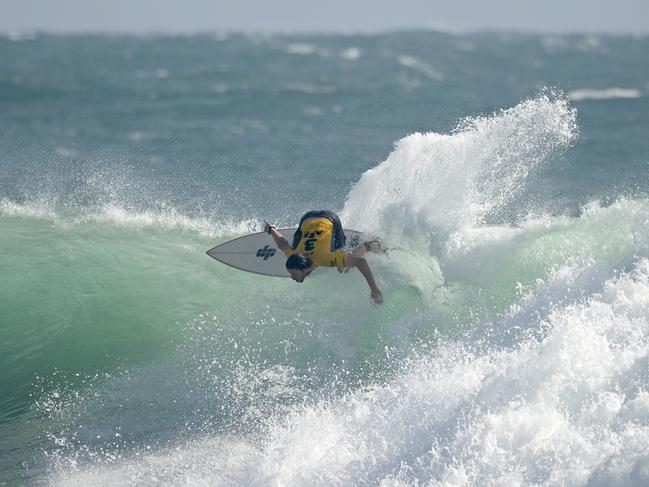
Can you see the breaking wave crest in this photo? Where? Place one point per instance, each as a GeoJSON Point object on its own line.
{"type": "Point", "coordinates": [438, 183]}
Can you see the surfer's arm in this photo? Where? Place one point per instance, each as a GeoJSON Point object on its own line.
{"type": "Point", "coordinates": [363, 266]}
{"type": "Point", "coordinates": [279, 239]}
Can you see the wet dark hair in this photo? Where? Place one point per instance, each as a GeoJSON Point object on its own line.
{"type": "Point", "coordinates": [299, 262]}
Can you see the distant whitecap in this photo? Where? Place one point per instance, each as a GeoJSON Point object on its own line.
{"type": "Point", "coordinates": [603, 94]}
{"type": "Point", "coordinates": [420, 66]}
{"type": "Point", "coordinates": [351, 53]}
{"type": "Point", "coordinates": [313, 111]}
{"type": "Point", "coordinates": [310, 89]}
{"type": "Point", "coordinates": [302, 49]}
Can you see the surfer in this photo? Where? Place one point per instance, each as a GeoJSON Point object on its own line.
{"type": "Point", "coordinates": [318, 242]}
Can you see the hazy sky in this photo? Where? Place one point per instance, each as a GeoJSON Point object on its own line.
{"type": "Point", "coordinates": [328, 15]}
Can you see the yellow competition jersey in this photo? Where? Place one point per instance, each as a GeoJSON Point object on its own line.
{"type": "Point", "coordinates": [316, 244]}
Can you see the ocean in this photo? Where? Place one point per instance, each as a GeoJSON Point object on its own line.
{"type": "Point", "coordinates": [508, 173]}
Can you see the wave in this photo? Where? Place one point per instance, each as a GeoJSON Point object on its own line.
{"type": "Point", "coordinates": [505, 352]}
{"type": "Point", "coordinates": [604, 94]}
{"type": "Point", "coordinates": [19, 36]}
{"type": "Point", "coordinates": [9, 208]}
{"type": "Point", "coordinates": [440, 183]}
{"type": "Point", "coordinates": [110, 285]}
{"type": "Point", "coordinates": [417, 65]}
{"type": "Point", "coordinates": [120, 216]}
{"type": "Point", "coordinates": [351, 53]}
{"type": "Point", "coordinates": [566, 404]}
{"type": "Point", "coordinates": [308, 89]}
{"type": "Point", "coordinates": [256, 392]}
{"type": "Point", "coordinates": [304, 49]}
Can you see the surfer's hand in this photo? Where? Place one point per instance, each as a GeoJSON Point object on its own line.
{"type": "Point", "coordinates": [267, 227]}
{"type": "Point", "coordinates": [377, 297]}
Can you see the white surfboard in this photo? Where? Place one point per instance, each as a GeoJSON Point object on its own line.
{"type": "Point", "coordinates": [258, 252]}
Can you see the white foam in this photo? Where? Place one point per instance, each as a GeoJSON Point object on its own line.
{"type": "Point", "coordinates": [312, 111]}
{"type": "Point", "coordinates": [417, 65]}
{"type": "Point", "coordinates": [168, 219]}
{"type": "Point", "coordinates": [310, 89]}
{"type": "Point", "coordinates": [20, 36]}
{"type": "Point", "coordinates": [303, 49]}
{"type": "Point", "coordinates": [138, 136]}
{"type": "Point", "coordinates": [627, 222]}
{"type": "Point", "coordinates": [444, 182]}
{"type": "Point", "coordinates": [568, 407]}
{"type": "Point", "coordinates": [351, 53]}
{"type": "Point", "coordinates": [160, 73]}
{"type": "Point", "coordinates": [590, 43]}
{"type": "Point", "coordinates": [65, 152]}
{"type": "Point", "coordinates": [118, 216]}
{"type": "Point", "coordinates": [552, 43]}
{"type": "Point", "coordinates": [604, 94]}
{"type": "Point", "coordinates": [41, 209]}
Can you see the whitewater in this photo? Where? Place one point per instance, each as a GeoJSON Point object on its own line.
{"type": "Point", "coordinates": [513, 344]}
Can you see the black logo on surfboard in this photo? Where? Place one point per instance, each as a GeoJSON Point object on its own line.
{"type": "Point", "coordinates": [266, 252]}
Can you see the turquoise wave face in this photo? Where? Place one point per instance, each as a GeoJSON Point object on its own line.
{"type": "Point", "coordinates": [103, 314]}
{"type": "Point", "coordinates": [512, 342]}
{"type": "Point", "coordinates": [79, 296]}
{"type": "Point", "coordinates": [85, 292]}
{"type": "Point", "coordinates": [153, 369]}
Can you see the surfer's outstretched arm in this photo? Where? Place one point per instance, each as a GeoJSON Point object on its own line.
{"type": "Point", "coordinates": [278, 237]}
{"type": "Point", "coordinates": [363, 266]}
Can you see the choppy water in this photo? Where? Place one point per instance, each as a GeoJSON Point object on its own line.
{"type": "Point", "coordinates": [510, 172]}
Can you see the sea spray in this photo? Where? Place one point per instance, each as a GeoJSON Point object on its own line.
{"type": "Point", "coordinates": [436, 183]}
{"type": "Point", "coordinates": [566, 407]}
{"type": "Point", "coordinates": [264, 395]}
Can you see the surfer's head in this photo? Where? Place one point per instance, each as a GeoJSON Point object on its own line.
{"type": "Point", "coordinates": [299, 266]}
